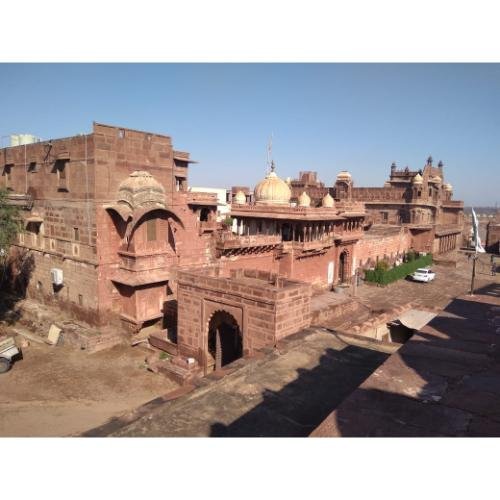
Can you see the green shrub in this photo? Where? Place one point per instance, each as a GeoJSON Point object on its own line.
{"type": "Point", "coordinates": [382, 265]}
{"type": "Point", "coordinates": [228, 221]}
{"type": "Point", "coordinates": [411, 256]}
{"type": "Point", "coordinates": [384, 277]}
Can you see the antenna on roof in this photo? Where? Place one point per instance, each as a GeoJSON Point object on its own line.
{"type": "Point", "coordinates": [270, 161]}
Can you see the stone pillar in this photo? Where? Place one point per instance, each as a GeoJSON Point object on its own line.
{"type": "Point", "coordinates": [218, 350]}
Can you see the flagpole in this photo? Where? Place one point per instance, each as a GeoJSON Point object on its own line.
{"type": "Point", "coordinates": [477, 248]}
{"type": "Point", "coordinates": [474, 258]}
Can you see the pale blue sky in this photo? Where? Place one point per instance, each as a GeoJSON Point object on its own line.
{"type": "Point", "coordinates": [324, 117]}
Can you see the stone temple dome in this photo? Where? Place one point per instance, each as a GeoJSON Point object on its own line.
{"type": "Point", "coordinates": [447, 187]}
{"type": "Point", "coordinates": [141, 189]}
{"type": "Point", "coordinates": [418, 179]}
{"type": "Point", "coordinates": [327, 201]}
{"type": "Point", "coordinates": [436, 179]}
{"type": "Point", "coordinates": [304, 200]}
{"type": "Point", "coordinates": [240, 198]}
{"type": "Point", "coordinates": [344, 175]}
{"type": "Point", "coordinates": [272, 190]}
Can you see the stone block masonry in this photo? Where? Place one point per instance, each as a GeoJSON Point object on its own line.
{"type": "Point", "coordinates": [264, 307]}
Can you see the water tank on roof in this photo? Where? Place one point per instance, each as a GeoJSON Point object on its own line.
{"type": "Point", "coordinates": [21, 139]}
{"type": "Point", "coordinates": [57, 276]}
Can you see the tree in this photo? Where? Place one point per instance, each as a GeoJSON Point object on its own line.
{"type": "Point", "coordinates": [10, 226]}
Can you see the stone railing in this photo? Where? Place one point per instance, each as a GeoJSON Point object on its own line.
{"type": "Point", "coordinates": [144, 262]}
{"type": "Point", "coordinates": [452, 204]}
{"type": "Point", "coordinates": [195, 198]}
{"type": "Point", "coordinates": [20, 200]}
{"type": "Point", "coordinates": [226, 241]}
{"type": "Point", "coordinates": [181, 155]}
{"type": "Point", "coordinates": [350, 206]}
{"type": "Point", "coordinates": [376, 194]}
{"type": "Point", "coordinates": [208, 226]}
{"type": "Point", "coordinates": [326, 241]}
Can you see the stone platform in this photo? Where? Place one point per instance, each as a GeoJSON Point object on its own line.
{"type": "Point", "coordinates": [445, 381]}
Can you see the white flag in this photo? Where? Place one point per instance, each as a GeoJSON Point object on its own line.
{"type": "Point", "coordinates": [477, 239]}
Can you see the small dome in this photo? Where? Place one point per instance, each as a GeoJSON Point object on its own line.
{"type": "Point", "coordinates": [140, 188]}
{"type": "Point", "coordinates": [344, 175]}
{"type": "Point", "coordinates": [240, 198]}
{"type": "Point", "coordinates": [288, 180]}
{"type": "Point", "coordinates": [327, 201]}
{"type": "Point", "coordinates": [447, 187]}
{"type": "Point", "coordinates": [436, 179]}
{"type": "Point", "coordinates": [272, 190]}
{"type": "Point", "coordinates": [304, 200]}
{"type": "Point", "coordinates": [418, 179]}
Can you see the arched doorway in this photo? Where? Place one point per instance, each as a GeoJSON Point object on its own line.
{"type": "Point", "coordinates": [343, 267]}
{"type": "Point", "coordinates": [204, 214]}
{"type": "Point", "coordinates": [225, 343]}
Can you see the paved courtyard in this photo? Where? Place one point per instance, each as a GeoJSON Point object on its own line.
{"type": "Point", "coordinates": [449, 283]}
{"type": "Point", "coordinates": [445, 381]}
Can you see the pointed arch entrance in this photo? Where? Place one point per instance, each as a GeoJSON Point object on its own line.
{"type": "Point", "coordinates": [344, 267]}
{"type": "Point", "coordinates": [225, 342]}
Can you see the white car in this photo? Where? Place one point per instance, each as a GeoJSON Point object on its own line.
{"type": "Point", "coordinates": [423, 275]}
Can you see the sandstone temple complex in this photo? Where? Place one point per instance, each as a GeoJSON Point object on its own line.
{"type": "Point", "coordinates": [117, 238]}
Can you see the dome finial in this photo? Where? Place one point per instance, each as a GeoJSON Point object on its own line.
{"type": "Point", "coordinates": [272, 190]}
{"type": "Point", "coordinates": [273, 166]}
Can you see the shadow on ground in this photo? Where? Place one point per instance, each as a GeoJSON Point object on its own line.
{"type": "Point", "coordinates": [301, 405]}
{"type": "Point", "coordinates": [14, 281]}
{"type": "Point", "coordinates": [444, 382]}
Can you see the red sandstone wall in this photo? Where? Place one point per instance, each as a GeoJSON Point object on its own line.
{"type": "Point", "coordinates": [264, 315]}
{"type": "Point", "coordinates": [67, 236]}
{"type": "Point", "coordinates": [423, 241]}
{"type": "Point", "coordinates": [43, 181]}
{"type": "Point", "coordinates": [314, 269]}
{"type": "Point", "coordinates": [262, 261]}
{"type": "Point", "coordinates": [370, 250]}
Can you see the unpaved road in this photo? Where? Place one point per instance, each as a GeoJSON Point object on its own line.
{"type": "Point", "coordinates": [57, 391]}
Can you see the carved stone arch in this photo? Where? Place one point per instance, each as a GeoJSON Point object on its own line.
{"type": "Point", "coordinates": [344, 266]}
{"type": "Point", "coordinates": [224, 339]}
{"type": "Point", "coordinates": [140, 215]}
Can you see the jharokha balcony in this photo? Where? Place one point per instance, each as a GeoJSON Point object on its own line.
{"type": "Point", "coordinates": [142, 268]}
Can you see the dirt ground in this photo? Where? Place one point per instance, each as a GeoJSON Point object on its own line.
{"type": "Point", "coordinates": [58, 391]}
